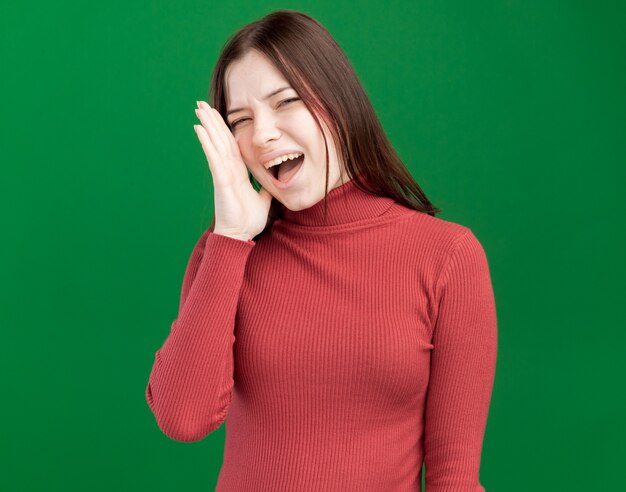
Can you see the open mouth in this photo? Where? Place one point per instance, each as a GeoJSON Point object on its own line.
{"type": "Point", "coordinates": [282, 172]}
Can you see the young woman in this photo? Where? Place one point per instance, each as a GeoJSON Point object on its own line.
{"type": "Point", "coordinates": [345, 334]}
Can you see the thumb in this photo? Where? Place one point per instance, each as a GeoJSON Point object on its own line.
{"type": "Point", "coordinates": [265, 195]}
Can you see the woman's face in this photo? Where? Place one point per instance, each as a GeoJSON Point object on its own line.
{"type": "Point", "coordinates": [262, 125]}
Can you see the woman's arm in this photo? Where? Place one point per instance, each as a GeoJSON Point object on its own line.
{"type": "Point", "coordinates": [462, 371]}
{"type": "Point", "coordinates": [190, 386]}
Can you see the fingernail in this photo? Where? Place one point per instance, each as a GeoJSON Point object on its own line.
{"type": "Point", "coordinates": [198, 103]}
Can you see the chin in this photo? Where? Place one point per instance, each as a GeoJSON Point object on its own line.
{"type": "Point", "coordinates": [306, 202]}
{"type": "Point", "coordinates": [295, 208]}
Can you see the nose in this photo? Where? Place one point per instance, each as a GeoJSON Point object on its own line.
{"type": "Point", "coordinates": [265, 129]}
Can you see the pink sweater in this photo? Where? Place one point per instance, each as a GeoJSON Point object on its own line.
{"type": "Point", "coordinates": [341, 357]}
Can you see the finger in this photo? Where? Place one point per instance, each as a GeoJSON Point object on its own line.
{"type": "Point", "coordinates": [209, 121]}
{"type": "Point", "coordinates": [221, 127]}
{"type": "Point", "coordinates": [227, 132]}
{"type": "Point", "coordinates": [207, 146]}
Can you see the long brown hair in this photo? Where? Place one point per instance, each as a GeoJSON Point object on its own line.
{"type": "Point", "coordinates": [318, 70]}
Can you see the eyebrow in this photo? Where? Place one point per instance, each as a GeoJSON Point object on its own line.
{"type": "Point", "coordinates": [266, 97]}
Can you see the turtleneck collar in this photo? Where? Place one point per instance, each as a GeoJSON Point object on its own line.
{"type": "Point", "coordinates": [346, 204]}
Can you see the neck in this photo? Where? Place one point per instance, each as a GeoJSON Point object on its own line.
{"type": "Point", "coordinates": [346, 204]}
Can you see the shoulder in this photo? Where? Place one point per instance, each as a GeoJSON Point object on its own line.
{"type": "Point", "coordinates": [443, 242]}
{"type": "Point", "coordinates": [435, 232]}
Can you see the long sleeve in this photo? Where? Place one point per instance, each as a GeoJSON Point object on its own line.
{"type": "Point", "coordinates": [462, 370]}
{"type": "Point", "coordinates": [190, 386]}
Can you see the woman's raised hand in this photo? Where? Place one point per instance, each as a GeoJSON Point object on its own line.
{"type": "Point", "coordinates": [240, 211]}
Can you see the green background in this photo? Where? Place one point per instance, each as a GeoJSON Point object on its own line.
{"type": "Point", "coordinates": [509, 114]}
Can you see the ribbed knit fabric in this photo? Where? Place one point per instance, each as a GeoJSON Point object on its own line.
{"type": "Point", "coordinates": [341, 357]}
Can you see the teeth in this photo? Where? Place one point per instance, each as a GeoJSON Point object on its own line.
{"type": "Point", "coordinates": [279, 160]}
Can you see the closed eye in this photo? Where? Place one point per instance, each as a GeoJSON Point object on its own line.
{"type": "Point", "coordinates": [236, 122]}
